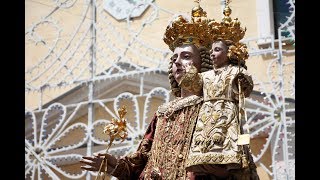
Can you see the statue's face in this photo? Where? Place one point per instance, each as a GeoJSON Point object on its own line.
{"type": "Point", "coordinates": [182, 57]}
{"type": "Point", "coordinates": [218, 54]}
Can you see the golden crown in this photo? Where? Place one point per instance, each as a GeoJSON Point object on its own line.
{"type": "Point", "coordinates": [231, 32]}
{"type": "Point", "coordinates": [202, 31]}
{"type": "Point", "coordinates": [227, 29]}
{"type": "Point", "coordinates": [182, 30]}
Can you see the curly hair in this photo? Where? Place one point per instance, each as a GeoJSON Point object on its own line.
{"type": "Point", "coordinates": [206, 64]}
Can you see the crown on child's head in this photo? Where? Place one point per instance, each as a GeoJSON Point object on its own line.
{"type": "Point", "coordinates": [183, 30]}
{"type": "Point", "coordinates": [230, 31]}
{"type": "Point", "coordinates": [227, 29]}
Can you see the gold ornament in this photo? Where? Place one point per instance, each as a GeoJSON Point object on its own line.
{"type": "Point", "coordinates": [191, 81]}
{"type": "Point", "coordinates": [116, 129]}
{"type": "Point", "coordinates": [230, 32]}
{"type": "Point", "coordinates": [189, 31]}
{"type": "Point", "coordinates": [227, 29]}
{"type": "Point", "coordinates": [215, 115]}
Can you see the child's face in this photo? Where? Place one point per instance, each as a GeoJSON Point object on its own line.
{"type": "Point", "coordinates": [184, 56]}
{"type": "Point", "coordinates": [218, 54]}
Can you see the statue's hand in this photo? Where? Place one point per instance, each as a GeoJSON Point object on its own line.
{"type": "Point", "coordinates": [246, 83]}
{"type": "Point", "coordinates": [243, 81]}
{"type": "Point", "coordinates": [92, 163]}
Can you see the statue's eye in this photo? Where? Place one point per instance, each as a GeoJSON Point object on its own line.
{"type": "Point", "coordinates": [173, 59]}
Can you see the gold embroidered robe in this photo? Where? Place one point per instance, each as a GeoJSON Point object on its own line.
{"type": "Point", "coordinates": [218, 119]}
{"type": "Point", "coordinates": [164, 149]}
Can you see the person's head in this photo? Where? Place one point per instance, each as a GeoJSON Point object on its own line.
{"type": "Point", "coordinates": [226, 46]}
{"type": "Point", "coordinates": [189, 40]}
{"type": "Point", "coordinates": [187, 54]}
{"type": "Point", "coordinates": [223, 53]}
{"type": "Point", "coordinates": [218, 54]}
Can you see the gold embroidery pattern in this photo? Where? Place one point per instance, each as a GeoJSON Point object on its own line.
{"type": "Point", "coordinates": [172, 139]}
{"type": "Point", "coordinates": [217, 128]}
{"type": "Point", "coordinates": [213, 159]}
{"type": "Point", "coordinates": [167, 110]}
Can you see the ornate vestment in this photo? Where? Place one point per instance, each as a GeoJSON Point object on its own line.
{"type": "Point", "coordinates": [164, 149]}
{"type": "Point", "coordinates": [179, 141]}
{"type": "Point", "coordinates": [218, 118]}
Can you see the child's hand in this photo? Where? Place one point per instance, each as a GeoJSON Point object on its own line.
{"type": "Point", "coordinates": [244, 83]}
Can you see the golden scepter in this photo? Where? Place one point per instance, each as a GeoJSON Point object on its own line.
{"type": "Point", "coordinates": [116, 129]}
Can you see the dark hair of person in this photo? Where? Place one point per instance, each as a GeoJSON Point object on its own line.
{"type": "Point", "coordinates": [206, 64]}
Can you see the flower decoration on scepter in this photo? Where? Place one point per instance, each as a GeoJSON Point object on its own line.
{"type": "Point", "coordinates": [116, 129]}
